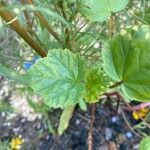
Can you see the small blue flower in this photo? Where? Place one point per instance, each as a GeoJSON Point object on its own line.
{"type": "Point", "coordinates": [27, 65]}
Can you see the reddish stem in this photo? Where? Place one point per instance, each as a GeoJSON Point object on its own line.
{"type": "Point", "coordinates": [90, 135]}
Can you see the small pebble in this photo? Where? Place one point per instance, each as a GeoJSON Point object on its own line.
{"type": "Point", "coordinates": [47, 137]}
{"type": "Point", "coordinates": [114, 119]}
{"type": "Point", "coordinates": [77, 122]}
{"type": "Point", "coordinates": [20, 136]}
{"type": "Point", "coordinates": [120, 138]}
{"type": "Point", "coordinates": [45, 126]}
{"type": "Point", "coordinates": [108, 133]}
{"type": "Point", "coordinates": [118, 127]}
{"type": "Point", "coordinates": [15, 130]}
{"type": "Point", "coordinates": [23, 120]}
{"type": "Point", "coordinates": [129, 135]}
{"type": "Point", "coordinates": [3, 114]}
{"type": "Point", "coordinates": [7, 124]}
{"type": "Point", "coordinates": [39, 126]}
{"type": "Point", "coordinates": [123, 146]}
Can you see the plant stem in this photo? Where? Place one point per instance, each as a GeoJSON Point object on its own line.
{"type": "Point", "coordinates": [26, 15]}
{"type": "Point", "coordinates": [50, 126]}
{"type": "Point", "coordinates": [90, 134]}
{"type": "Point", "coordinates": [116, 84]}
{"type": "Point", "coordinates": [111, 26]}
{"type": "Point", "coordinates": [128, 124]}
{"type": "Point", "coordinates": [66, 30]}
{"type": "Point", "coordinates": [128, 105]}
{"type": "Point", "coordinates": [15, 25]}
{"type": "Point", "coordinates": [48, 27]}
{"type": "Point", "coordinates": [46, 24]}
{"type": "Point", "coordinates": [141, 106]}
{"type": "Point", "coordinates": [143, 12]}
{"type": "Point", "coordinates": [131, 108]}
{"type": "Point", "coordinates": [13, 75]}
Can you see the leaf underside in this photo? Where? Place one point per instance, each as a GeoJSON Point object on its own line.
{"type": "Point", "coordinates": [126, 58]}
{"type": "Point", "coordinates": [65, 119]}
{"type": "Point", "coordinates": [58, 78]}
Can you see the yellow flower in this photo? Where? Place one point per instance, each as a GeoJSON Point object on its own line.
{"type": "Point", "coordinates": [142, 112]}
{"type": "Point", "coordinates": [15, 143]}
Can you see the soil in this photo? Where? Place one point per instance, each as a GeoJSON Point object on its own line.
{"type": "Point", "coordinates": [109, 131]}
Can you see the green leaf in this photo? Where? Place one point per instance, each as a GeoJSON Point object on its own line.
{"type": "Point", "coordinates": [12, 75]}
{"type": "Point", "coordinates": [146, 16]}
{"type": "Point", "coordinates": [82, 105]}
{"type": "Point", "coordinates": [145, 144]}
{"type": "Point", "coordinates": [58, 78]}
{"type": "Point", "coordinates": [49, 124]}
{"type": "Point", "coordinates": [64, 119]}
{"type": "Point", "coordinates": [100, 10]}
{"type": "Point", "coordinates": [96, 83]}
{"type": "Point", "coordinates": [4, 145]}
{"type": "Point", "coordinates": [126, 58]}
{"type": "Point", "coordinates": [39, 108]}
{"type": "Point", "coordinates": [5, 107]}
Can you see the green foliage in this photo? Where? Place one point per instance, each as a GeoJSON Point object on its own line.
{"type": "Point", "coordinates": [11, 74]}
{"type": "Point", "coordinates": [82, 105]}
{"type": "Point", "coordinates": [100, 10]}
{"type": "Point", "coordinates": [145, 144]}
{"type": "Point", "coordinates": [39, 108]}
{"type": "Point", "coordinates": [126, 59]}
{"type": "Point", "coordinates": [49, 124]}
{"type": "Point", "coordinates": [48, 12]}
{"type": "Point", "coordinates": [43, 109]}
{"type": "Point", "coordinates": [145, 16]}
{"type": "Point", "coordinates": [64, 119]}
{"type": "Point", "coordinates": [96, 83]}
{"type": "Point", "coordinates": [4, 107]}
{"type": "Point", "coordinates": [4, 145]}
{"type": "Point", "coordinates": [58, 78]}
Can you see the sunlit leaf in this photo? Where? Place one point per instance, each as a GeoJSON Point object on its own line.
{"type": "Point", "coordinates": [58, 78]}
{"type": "Point", "coordinates": [126, 58]}
{"type": "Point", "coordinates": [145, 144]}
{"type": "Point", "coordinates": [100, 10]}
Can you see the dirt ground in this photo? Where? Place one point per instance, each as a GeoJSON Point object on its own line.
{"type": "Point", "coordinates": [110, 131]}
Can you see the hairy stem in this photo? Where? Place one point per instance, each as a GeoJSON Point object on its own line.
{"type": "Point", "coordinates": [15, 25]}
{"type": "Point", "coordinates": [66, 30]}
{"type": "Point", "coordinates": [26, 15]}
{"type": "Point", "coordinates": [46, 25]}
{"type": "Point", "coordinates": [90, 134]}
{"type": "Point", "coordinates": [141, 106]}
{"type": "Point", "coordinates": [116, 84]}
{"type": "Point", "coordinates": [111, 25]}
